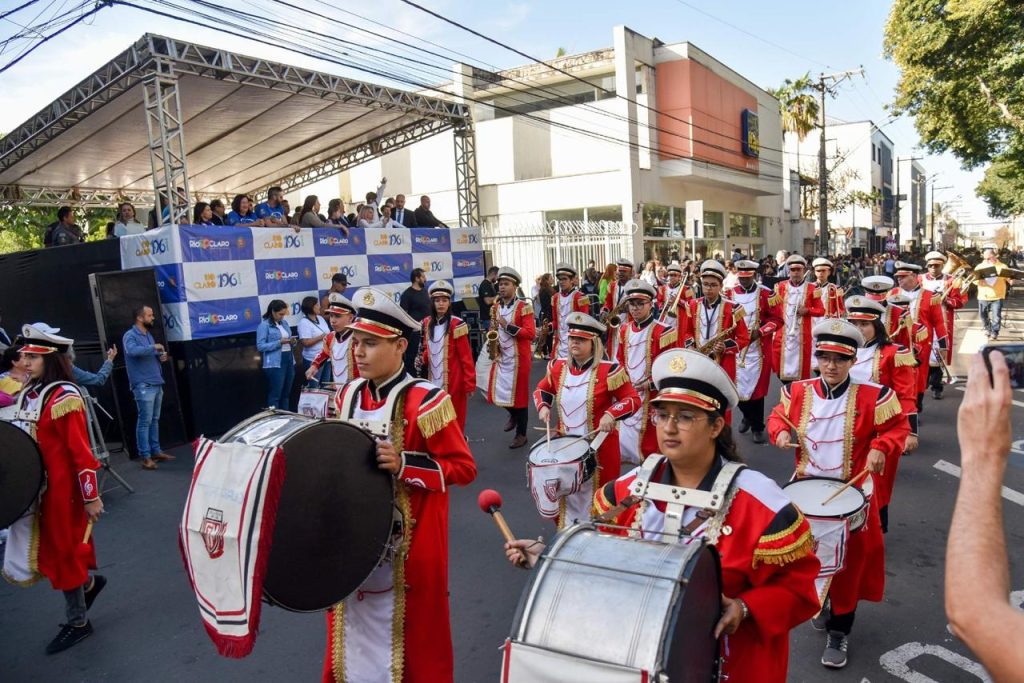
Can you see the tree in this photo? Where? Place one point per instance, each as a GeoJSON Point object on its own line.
{"type": "Point", "coordinates": [1003, 187]}
{"type": "Point", "coordinates": [23, 227]}
{"type": "Point", "coordinates": [797, 105]}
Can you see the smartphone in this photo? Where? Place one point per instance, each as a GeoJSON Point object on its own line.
{"type": "Point", "coordinates": [1014, 355]}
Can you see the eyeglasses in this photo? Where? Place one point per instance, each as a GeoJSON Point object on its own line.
{"type": "Point", "coordinates": [636, 303]}
{"type": "Point", "coordinates": [832, 360]}
{"type": "Point", "coordinates": [684, 421]}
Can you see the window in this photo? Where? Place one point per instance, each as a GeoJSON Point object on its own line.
{"type": "Point", "coordinates": [679, 220]}
{"type": "Point", "coordinates": [564, 215]}
{"type": "Point", "coordinates": [745, 225]}
{"type": "Point", "coordinates": [873, 156]}
{"type": "Point", "coordinates": [605, 213]}
{"type": "Point", "coordinates": [657, 220]}
{"type": "Point", "coordinates": [713, 223]}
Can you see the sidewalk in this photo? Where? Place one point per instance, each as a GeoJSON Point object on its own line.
{"type": "Point", "coordinates": [969, 335]}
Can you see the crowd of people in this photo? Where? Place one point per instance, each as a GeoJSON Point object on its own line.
{"type": "Point", "coordinates": [658, 364]}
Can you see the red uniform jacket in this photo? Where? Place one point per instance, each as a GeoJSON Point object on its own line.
{"type": "Point", "coordinates": [456, 366]}
{"type": "Point", "coordinates": [637, 364]}
{"type": "Point", "coordinates": [832, 300]}
{"type": "Point", "coordinates": [436, 456]}
{"type": "Point", "coordinates": [515, 344]}
{"type": "Point", "coordinates": [767, 561]}
{"type": "Point", "coordinates": [729, 316]}
{"type": "Point", "coordinates": [954, 301]}
{"type": "Point", "coordinates": [609, 391]}
{"type": "Point", "coordinates": [869, 417]}
{"type": "Point", "coordinates": [927, 311]}
{"type": "Point", "coordinates": [800, 367]}
{"type": "Point", "coordinates": [611, 297]}
{"type": "Point", "coordinates": [580, 304]}
{"type": "Point", "coordinates": [762, 317]}
{"type": "Point", "coordinates": [325, 354]}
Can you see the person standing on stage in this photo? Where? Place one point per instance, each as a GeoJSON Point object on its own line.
{"type": "Point", "coordinates": [568, 300]}
{"type": "Point", "coordinates": [508, 384]}
{"type": "Point", "coordinates": [765, 543]}
{"type": "Point", "coordinates": [617, 288]}
{"type": "Point", "coordinates": [48, 541]}
{"type": "Point", "coordinates": [797, 302]}
{"type": "Point", "coordinates": [669, 296]}
{"type": "Point", "coordinates": [717, 325]}
{"type": "Point", "coordinates": [941, 286]}
{"type": "Point", "coordinates": [753, 365]}
{"type": "Point", "coordinates": [850, 427]}
{"type": "Point", "coordinates": [831, 294]}
{"type": "Point", "coordinates": [396, 627]}
{"type": "Point", "coordinates": [446, 355]}
{"type": "Point", "coordinates": [337, 346]}
{"type": "Point", "coordinates": [142, 360]}
{"type": "Point", "coordinates": [639, 341]}
{"type": "Point", "coordinates": [924, 308]}
{"type": "Point", "coordinates": [592, 394]}
{"type": "Point", "coordinates": [991, 292]}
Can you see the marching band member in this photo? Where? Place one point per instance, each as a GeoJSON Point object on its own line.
{"type": "Point", "coordinates": [716, 322]}
{"type": "Point", "coordinates": [850, 426]}
{"type": "Point", "coordinates": [765, 543]}
{"type": "Point", "coordinates": [938, 283]}
{"type": "Point", "coordinates": [639, 342]}
{"type": "Point", "coordinates": [753, 372]}
{"type": "Point", "coordinates": [446, 353]}
{"type": "Point", "coordinates": [508, 385]}
{"type": "Point", "coordinates": [617, 289]}
{"type": "Point", "coordinates": [924, 308]}
{"type": "Point", "coordinates": [337, 346]}
{"type": "Point", "coordinates": [831, 294]}
{"type": "Point", "coordinates": [591, 394]}
{"type": "Point", "coordinates": [566, 301]}
{"type": "Point", "coordinates": [396, 626]}
{"type": "Point", "coordinates": [884, 362]}
{"type": "Point", "coordinates": [669, 292]}
{"type": "Point", "coordinates": [877, 288]}
{"type": "Point", "coordinates": [48, 541]}
{"type": "Point", "coordinates": [797, 302]}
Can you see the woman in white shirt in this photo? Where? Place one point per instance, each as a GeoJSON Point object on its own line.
{"type": "Point", "coordinates": [313, 329]}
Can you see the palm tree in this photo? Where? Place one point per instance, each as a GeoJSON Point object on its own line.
{"type": "Point", "coordinates": [798, 107]}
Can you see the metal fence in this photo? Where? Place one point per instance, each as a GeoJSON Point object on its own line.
{"type": "Point", "coordinates": [534, 248]}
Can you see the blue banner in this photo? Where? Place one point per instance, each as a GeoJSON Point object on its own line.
{"type": "Point", "coordinates": [332, 242]}
{"type": "Point", "coordinates": [390, 268]}
{"type": "Point", "coordinates": [225, 243]}
{"type": "Point", "coordinates": [468, 264]}
{"type": "Point", "coordinates": [170, 282]}
{"type": "Point", "coordinates": [277, 276]}
{"type": "Point", "coordinates": [430, 239]}
{"type": "Point", "coordinates": [222, 317]}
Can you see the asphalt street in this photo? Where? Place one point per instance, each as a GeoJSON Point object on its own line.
{"type": "Point", "coordinates": [147, 625]}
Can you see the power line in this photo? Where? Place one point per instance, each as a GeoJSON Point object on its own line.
{"type": "Point", "coordinates": [50, 37]}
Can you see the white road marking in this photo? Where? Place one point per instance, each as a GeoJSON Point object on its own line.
{"type": "Point", "coordinates": [1008, 493]}
{"type": "Point", "coordinates": [896, 662]}
{"type": "Point", "coordinates": [1016, 403]}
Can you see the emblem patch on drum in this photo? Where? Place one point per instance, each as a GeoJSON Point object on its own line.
{"type": "Point", "coordinates": [213, 532]}
{"type": "Point", "coordinates": [551, 488]}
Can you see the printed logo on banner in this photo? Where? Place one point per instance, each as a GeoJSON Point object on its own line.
{"type": "Point", "coordinates": [436, 266]}
{"type": "Point", "coordinates": [223, 317]}
{"type": "Point", "coordinates": [170, 283]}
{"type": "Point", "coordinates": [278, 243]}
{"type": "Point", "coordinates": [219, 280]}
{"type": "Point", "coordinates": [285, 275]}
{"type": "Point", "coordinates": [152, 247]}
{"type": "Point", "coordinates": [354, 268]}
{"type": "Point", "coordinates": [467, 287]}
{"type": "Point", "coordinates": [381, 241]}
{"type": "Point", "coordinates": [175, 320]}
{"type": "Point", "coordinates": [429, 239]}
{"type": "Point", "coordinates": [468, 265]}
{"type": "Point", "coordinates": [466, 239]}
{"type": "Point", "coordinates": [329, 242]}
{"type": "Point", "coordinates": [390, 269]}
{"type": "Point", "coordinates": [216, 244]}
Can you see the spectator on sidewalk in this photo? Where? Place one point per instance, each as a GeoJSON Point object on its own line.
{"type": "Point", "coordinates": [485, 295]}
{"type": "Point", "coordinates": [143, 357]}
{"type": "Point", "coordinates": [274, 341]}
{"type": "Point", "coordinates": [339, 283]}
{"type": "Point", "coordinates": [991, 292]}
{"type": "Point", "coordinates": [313, 329]}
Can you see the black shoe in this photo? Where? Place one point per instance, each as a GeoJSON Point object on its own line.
{"type": "Point", "coordinates": [759, 437]}
{"type": "Point", "coordinates": [744, 426]}
{"type": "Point", "coordinates": [836, 647]}
{"type": "Point", "coordinates": [98, 582]}
{"type": "Point", "coordinates": [69, 636]}
{"type": "Point", "coordinates": [820, 620]}
{"type": "Point", "coordinates": [937, 394]}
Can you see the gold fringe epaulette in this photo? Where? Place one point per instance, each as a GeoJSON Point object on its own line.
{"type": "Point", "coordinates": [904, 357]}
{"type": "Point", "coordinates": [775, 299]}
{"type": "Point", "coordinates": [935, 301]}
{"type": "Point", "coordinates": [437, 418]}
{"type": "Point", "coordinates": [460, 330]}
{"type": "Point", "coordinates": [769, 552]}
{"type": "Point", "coordinates": [617, 378]}
{"type": "Point", "coordinates": [668, 339]}
{"type": "Point", "coordinates": [527, 307]}
{"type": "Point", "coordinates": [65, 405]}
{"type": "Point", "coordinates": [922, 334]}
{"type": "Point", "coordinates": [887, 409]}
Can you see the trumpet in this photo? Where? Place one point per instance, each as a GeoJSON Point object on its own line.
{"type": "Point", "coordinates": [492, 334]}
{"type": "Point", "coordinates": [937, 353]}
{"type": "Point", "coordinates": [542, 338]}
{"type": "Point", "coordinates": [673, 310]}
{"type": "Point", "coordinates": [958, 267]}
{"type": "Point", "coordinates": [613, 319]}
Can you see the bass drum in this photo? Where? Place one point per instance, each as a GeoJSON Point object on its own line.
{"type": "Point", "coordinates": [335, 513]}
{"type": "Point", "coordinates": [612, 608]}
{"type": "Point", "coordinates": [21, 473]}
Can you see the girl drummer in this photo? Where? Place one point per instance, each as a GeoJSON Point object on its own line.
{"type": "Point", "coordinates": [337, 346]}
{"type": "Point", "coordinates": [768, 567]}
{"type": "Point", "coordinates": [592, 394]}
{"type": "Point", "coordinates": [446, 355]}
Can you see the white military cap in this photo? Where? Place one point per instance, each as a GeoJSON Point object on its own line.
{"type": "Point", "coordinates": [837, 336]}
{"type": "Point", "coordinates": [585, 326]}
{"type": "Point", "coordinates": [638, 289]}
{"type": "Point", "coordinates": [863, 308]}
{"type": "Point", "coordinates": [379, 315]}
{"type": "Point", "coordinates": [713, 268]}
{"type": "Point", "coordinates": [685, 376]}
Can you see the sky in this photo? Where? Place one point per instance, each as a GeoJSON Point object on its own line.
{"type": "Point", "coordinates": [765, 42]}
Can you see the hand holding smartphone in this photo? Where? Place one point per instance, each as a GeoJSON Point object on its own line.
{"type": "Point", "coordinates": [1014, 355]}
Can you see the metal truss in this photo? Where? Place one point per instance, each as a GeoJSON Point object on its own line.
{"type": "Point", "coordinates": [465, 174]}
{"type": "Point", "coordinates": [395, 140]}
{"type": "Point", "coordinates": [22, 195]}
{"type": "Point", "coordinates": [166, 128]}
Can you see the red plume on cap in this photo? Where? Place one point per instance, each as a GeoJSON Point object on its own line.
{"type": "Point", "coordinates": [488, 500]}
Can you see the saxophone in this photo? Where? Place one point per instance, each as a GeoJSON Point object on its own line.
{"type": "Point", "coordinates": [706, 347]}
{"type": "Point", "coordinates": [492, 334]}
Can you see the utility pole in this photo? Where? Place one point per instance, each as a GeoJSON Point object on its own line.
{"type": "Point", "coordinates": [826, 84]}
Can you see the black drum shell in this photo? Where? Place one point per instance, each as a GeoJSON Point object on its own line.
{"type": "Point", "coordinates": [21, 473]}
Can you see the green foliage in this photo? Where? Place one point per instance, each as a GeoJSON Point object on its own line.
{"type": "Point", "coordinates": [23, 227]}
{"type": "Point", "coordinates": [1003, 188]}
{"type": "Point", "coordinates": [797, 105]}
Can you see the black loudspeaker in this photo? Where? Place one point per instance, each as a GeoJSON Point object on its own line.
{"type": "Point", "coordinates": [115, 297]}
{"type": "Point", "coordinates": [857, 252]}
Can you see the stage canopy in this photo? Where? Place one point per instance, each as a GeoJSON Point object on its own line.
{"type": "Point", "coordinates": [189, 122]}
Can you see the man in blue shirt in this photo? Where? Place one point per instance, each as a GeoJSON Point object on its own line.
{"type": "Point", "coordinates": [143, 357]}
{"type": "Point", "coordinates": [272, 211]}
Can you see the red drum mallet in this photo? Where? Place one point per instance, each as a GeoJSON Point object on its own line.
{"type": "Point", "coordinates": [489, 501]}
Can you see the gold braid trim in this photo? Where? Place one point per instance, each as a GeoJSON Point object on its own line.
{"type": "Point", "coordinates": [805, 419]}
{"type": "Point", "coordinates": [617, 378]}
{"type": "Point", "coordinates": [398, 573]}
{"type": "Point", "coordinates": [801, 547]}
{"type": "Point", "coordinates": [887, 409]}
{"type": "Point", "coordinates": [460, 331]}
{"type": "Point", "coordinates": [65, 405]}
{"type": "Point", "coordinates": [904, 358]}
{"type": "Point", "coordinates": [338, 642]}
{"type": "Point", "coordinates": [527, 308]}
{"type": "Point", "coordinates": [601, 504]}
{"type": "Point", "coordinates": [850, 422]}
{"type": "Point", "coordinates": [784, 401]}
{"type": "Point", "coordinates": [437, 418]}
{"type": "Point", "coordinates": [922, 334]}
{"type": "Point", "coordinates": [668, 339]}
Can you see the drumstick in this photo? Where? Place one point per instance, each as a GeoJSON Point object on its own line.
{"type": "Point", "coordinates": [83, 551]}
{"type": "Point", "coordinates": [547, 430]}
{"type": "Point", "coordinates": [582, 436]}
{"type": "Point", "coordinates": [846, 486]}
{"type": "Point", "coordinates": [793, 427]}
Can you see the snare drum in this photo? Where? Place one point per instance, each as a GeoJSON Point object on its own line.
{"type": "Point", "coordinates": [316, 403]}
{"type": "Point", "coordinates": [808, 493]}
{"type": "Point", "coordinates": [334, 517]}
{"type": "Point", "coordinates": [558, 470]}
{"type": "Point", "coordinates": [666, 597]}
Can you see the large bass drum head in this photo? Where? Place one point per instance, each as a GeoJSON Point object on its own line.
{"type": "Point", "coordinates": [334, 517]}
{"type": "Point", "coordinates": [21, 473]}
{"type": "Point", "coordinates": [690, 645]}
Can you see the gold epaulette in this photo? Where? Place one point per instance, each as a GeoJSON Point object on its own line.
{"type": "Point", "coordinates": [775, 299]}
{"type": "Point", "coordinates": [888, 408]}
{"type": "Point", "coordinates": [668, 339]}
{"type": "Point", "coordinates": [922, 334]}
{"type": "Point", "coordinates": [785, 546]}
{"type": "Point", "coordinates": [904, 357]}
{"type": "Point", "coordinates": [527, 307]}
{"type": "Point", "coordinates": [617, 378]}
{"type": "Point", "coordinates": [461, 330]}
{"type": "Point", "coordinates": [436, 418]}
{"type": "Point", "coordinates": [738, 313]}
{"type": "Point", "coordinates": [65, 405]}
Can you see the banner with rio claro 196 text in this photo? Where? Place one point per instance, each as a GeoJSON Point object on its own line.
{"type": "Point", "coordinates": [218, 281]}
